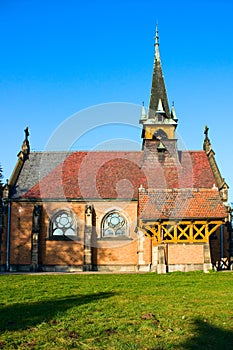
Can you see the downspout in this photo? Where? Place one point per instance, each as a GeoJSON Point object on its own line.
{"type": "Point", "coordinates": [8, 236]}
{"type": "Point", "coordinates": [221, 246]}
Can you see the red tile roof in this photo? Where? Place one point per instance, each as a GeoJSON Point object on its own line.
{"type": "Point", "coordinates": [102, 174]}
{"type": "Point", "coordinates": [93, 175]}
{"type": "Point", "coordinates": [180, 204]}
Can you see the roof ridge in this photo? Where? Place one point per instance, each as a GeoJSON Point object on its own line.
{"type": "Point", "coordinates": [192, 151]}
{"type": "Point", "coordinates": [87, 151]}
{"type": "Point", "coordinates": [172, 190]}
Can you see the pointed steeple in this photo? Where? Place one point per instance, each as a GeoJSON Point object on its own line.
{"type": "Point", "coordinates": [160, 108]}
{"type": "Point", "coordinates": [159, 122]}
{"type": "Point", "coordinates": [158, 89]}
{"type": "Point", "coordinates": [143, 113]}
{"type": "Point", "coordinates": [173, 113]}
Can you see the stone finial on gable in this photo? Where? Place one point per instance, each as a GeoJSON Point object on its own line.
{"type": "Point", "coordinates": [25, 149]}
{"type": "Point", "coordinates": [207, 144]}
{"type": "Point", "coordinates": [220, 181]}
{"type": "Point", "coordinates": [23, 155]}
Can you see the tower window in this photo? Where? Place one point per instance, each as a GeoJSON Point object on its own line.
{"type": "Point", "coordinates": [160, 134]}
{"type": "Point", "coordinates": [160, 117]}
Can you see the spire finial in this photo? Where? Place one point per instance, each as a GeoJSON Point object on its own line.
{"type": "Point", "coordinates": [143, 113]}
{"type": "Point", "coordinates": [173, 112]}
{"type": "Point", "coordinates": [25, 149]}
{"type": "Point", "coordinates": [207, 144]}
{"type": "Point", "coordinates": [206, 130]}
{"type": "Point", "coordinates": [157, 54]}
{"type": "Point", "coordinates": [26, 131]}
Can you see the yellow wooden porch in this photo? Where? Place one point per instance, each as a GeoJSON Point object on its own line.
{"type": "Point", "coordinates": [187, 231]}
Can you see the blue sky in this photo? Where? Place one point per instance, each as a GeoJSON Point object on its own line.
{"type": "Point", "coordinates": [59, 57]}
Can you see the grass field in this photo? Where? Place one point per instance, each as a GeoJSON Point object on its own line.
{"type": "Point", "coordinates": [117, 311]}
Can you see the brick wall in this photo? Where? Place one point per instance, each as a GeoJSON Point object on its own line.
{"type": "Point", "coordinates": [121, 254]}
{"type": "Point", "coordinates": [60, 252]}
{"type": "Point", "coordinates": [20, 235]}
{"type": "Point", "coordinates": [50, 252]}
{"type": "Point", "coordinates": [147, 245]}
{"type": "Point", "coordinates": [185, 253]}
{"type": "Point", "coordinates": [112, 251]}
{"type": "Point", "coordinates": [105, 251]}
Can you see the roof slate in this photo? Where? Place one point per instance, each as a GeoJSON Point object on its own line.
{"type": "Point", "coordinates": [97, 175]}
{"type": "Point", "coordinates": [35, 168]}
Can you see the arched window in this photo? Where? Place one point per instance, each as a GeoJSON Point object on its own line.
{"type": "Point", "coordinates": [160, 134]}
{"type": "Point", "coordinates": [63, 225]}
{"type": "Point", "coordinates": [114, 225]}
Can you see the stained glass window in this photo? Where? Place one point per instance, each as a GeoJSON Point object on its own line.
{"type": "Point", "coordinates": [114, 225]}
{"type": "Point", "coordinates": [63, 224]}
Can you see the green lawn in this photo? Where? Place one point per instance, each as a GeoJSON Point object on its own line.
{"type": "Point", "coordinates": [117, 311]}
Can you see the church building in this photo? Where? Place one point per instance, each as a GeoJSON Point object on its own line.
{"type": "Point", "coordinates": [65, 211]}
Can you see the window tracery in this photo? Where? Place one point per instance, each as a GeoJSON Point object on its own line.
{"type": "Point", "coordinates": [114, 225]}
{"type": "Point", "coordinates": [63, 225]}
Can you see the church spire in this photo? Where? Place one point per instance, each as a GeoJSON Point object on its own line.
{"type": "Point", "coordinates": [157, 54]}
{"type": "Point", "coordinates": [158, 89]}
{"type": "Point", "coordinates": [160, 122]}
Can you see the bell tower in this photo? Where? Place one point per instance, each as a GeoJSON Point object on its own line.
{"type": "Point", "coordinates": [159, 124]}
